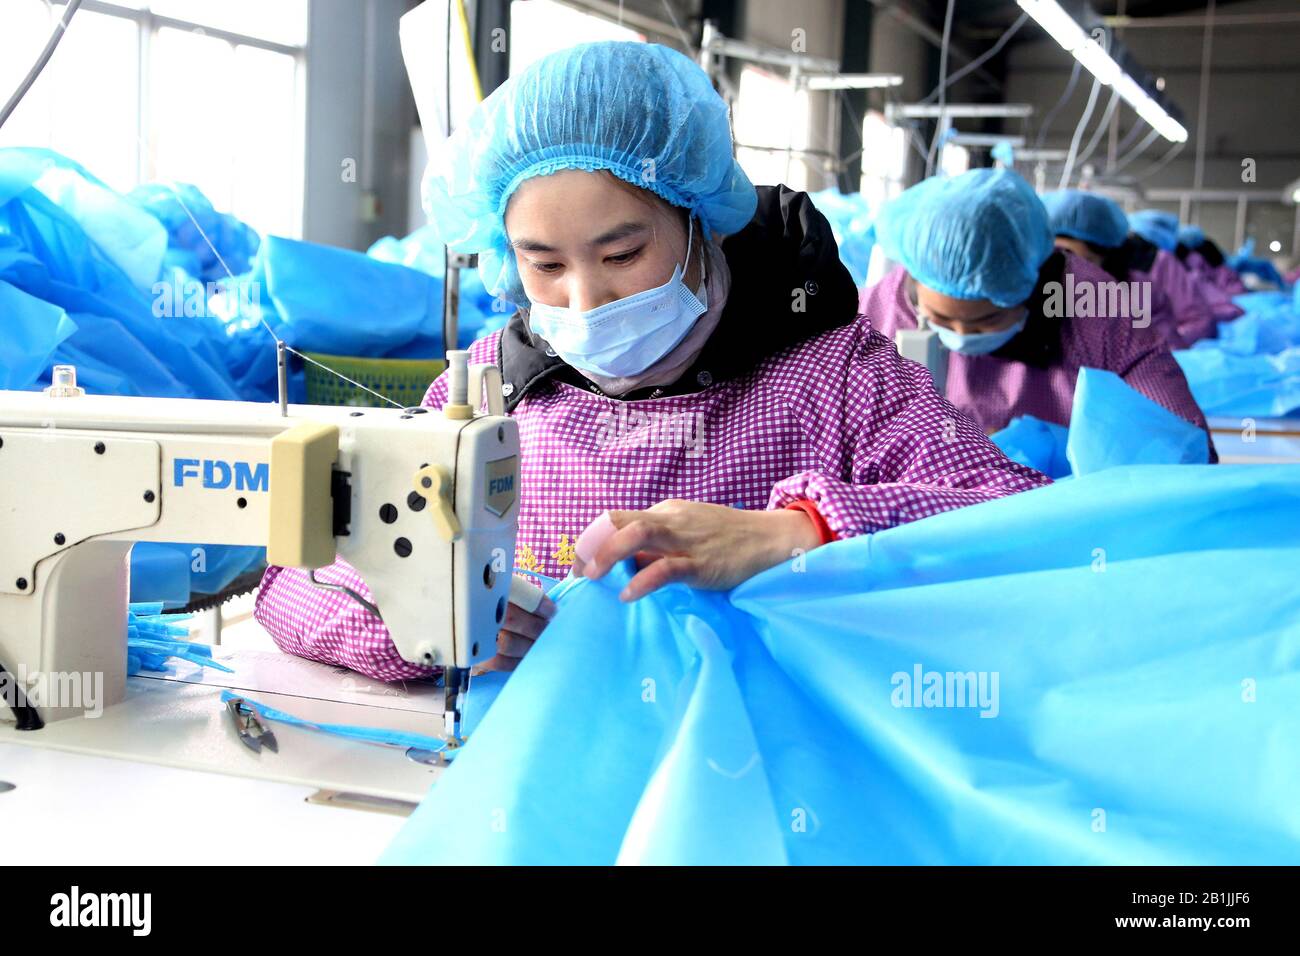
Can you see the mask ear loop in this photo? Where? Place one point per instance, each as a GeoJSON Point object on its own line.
{"type": "Point", "coordinates": [704, 252]}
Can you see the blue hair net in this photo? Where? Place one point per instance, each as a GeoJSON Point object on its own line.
{"type": "Point", "coordinates": [1086, 216]}
{"type": "Point", "coordinates": [980, 235]}
{"type": "Point", "coordinates": [1156, 226]}
{"type": "Point", "coordinates": [1193, 237]}
{"type": "Point", "coordinates": [644, 112]}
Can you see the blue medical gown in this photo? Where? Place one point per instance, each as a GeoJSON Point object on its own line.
{"type": "Point", "coordinates": [1143, 624]}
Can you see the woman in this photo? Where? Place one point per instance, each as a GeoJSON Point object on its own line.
{"type": "Point", "coordinates": [720, 398]}
{"type": "Point", "coordinates": [1181, 284]}
{"type": "Point", "coordinates": [1095, 228]}
{"type": "Point", "coordinates": [1204, 258]}
{"type": "Point", "coordinates": [978, 263]}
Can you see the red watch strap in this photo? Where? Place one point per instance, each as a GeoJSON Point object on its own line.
{"type": "Point", "coordinates": [823, 529]}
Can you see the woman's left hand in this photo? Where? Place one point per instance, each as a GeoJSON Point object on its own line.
{"type": "Point", "coordinates": [704, 545]}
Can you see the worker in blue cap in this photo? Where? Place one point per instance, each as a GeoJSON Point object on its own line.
{"type": "Point", "coordinates": [978, 264]}
{"type": "Point", "coordinates": [705, 429]}
{"type": "Point", "coordinates": [1183, 285]}
{"type": "Point", "coordinates": [1204, 258]}
{"type": "Point", "coordinates": [1095, 228]}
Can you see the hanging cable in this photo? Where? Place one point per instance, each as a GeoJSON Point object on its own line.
{"type": "Point", "coordinates": [943, 87]}
{"type": "Point", "coordinates": [1131, 135]}
{"type": "Point", "coordinates": [59, 29]}
{"type": "Point", "coordinates": [1100, 130]}
{"type": "Point", "coordinates": [1056, 108]}
{"type": "Point", "coordinates": [1162, 161]}
{"type": "Point", "coordinates": [1137, 151]}
{"type": "Point", "coordinates": [982, 59]}
{"type": "Point", "coordinates": [1078, 133]}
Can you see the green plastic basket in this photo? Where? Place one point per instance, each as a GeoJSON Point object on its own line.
{"type": "Point", "coordinates": [403, 380]}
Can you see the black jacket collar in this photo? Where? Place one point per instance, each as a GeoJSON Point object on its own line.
{"type": "Point", "coordinates": [787, 246]}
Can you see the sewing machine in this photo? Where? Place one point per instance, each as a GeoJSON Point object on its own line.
{"type": "Point", "coordinates": [922, 345]}
{"type": "Point", "coordinates": [422, 502]}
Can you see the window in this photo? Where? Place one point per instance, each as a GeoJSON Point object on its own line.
{"type": "Point", "coordinates": [539, 27]}
{"type": "Point", "coordinates": [884, 157]}
{"type": "Point", "coordinates": [208, 92]}
{"type": "Point", "coordinates": [768, 117]}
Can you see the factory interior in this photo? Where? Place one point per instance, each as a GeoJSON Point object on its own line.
{"type": "Point", "coordinates": [456, 388]}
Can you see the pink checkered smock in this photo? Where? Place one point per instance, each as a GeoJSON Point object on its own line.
{"type": "Point", "coordinates": [839, 419]}
{"type": "Point", "coordinates": [1035, 373]}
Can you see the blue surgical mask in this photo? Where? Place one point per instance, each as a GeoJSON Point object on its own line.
{"type": "Point", "coordinates": [626, 336]}
{"type": "Point", "coordinates": [981, 343]}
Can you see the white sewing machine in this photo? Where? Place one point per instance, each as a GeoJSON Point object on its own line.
{"type": "Point", "coordinates": [422, 502]}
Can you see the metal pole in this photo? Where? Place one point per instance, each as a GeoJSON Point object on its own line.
{"type": "Point", "coordinates": [282, 373]}
{"type": "Point", "coordinates": [1202, 118]}
{"type": "Point", "coordinates": [1241, 220]}
{"type": "Point", "coordinates": [1112, 146]}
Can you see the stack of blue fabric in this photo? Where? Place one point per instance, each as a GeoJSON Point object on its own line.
{"type": "Point", "coordinates": [1252, 369]}
{"type": "Point", "coordinates": [133, 291]}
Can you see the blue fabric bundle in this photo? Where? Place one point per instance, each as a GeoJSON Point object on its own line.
{"type": "Point", "coordinates": [1253, 368]}
{"type": "Point", "coordinates": [89, 263]}
{"type": "Point", "coordinates": [152, 639]}
{"type": "Point", "coordinates": [1062, 676]}
{"type": "Point", "coordinates": [200, 240]}
{"type": "Point", "coordinates": [1110, 424]}
{"type": "Point", "coordinates": [1245, 262]}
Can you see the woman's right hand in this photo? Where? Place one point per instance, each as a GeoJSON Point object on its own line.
{"type": "Point", "coordinates": [518, 632]}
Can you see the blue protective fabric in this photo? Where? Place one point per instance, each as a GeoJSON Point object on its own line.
{"type": "Point", "coordinates": [1191, 236]}
{"type": "Point", "coordinates": [160, 573]}
{"type": "Point", "coordinates": [1245, 262]}
{"type": "Point", "coordinates": [34, 329]}
{"type": "Point", "coordinates": [1224, 383]}
{"type": "Point", "coordinates": [91, 257]}
{"type": "Point", "coordinates": [850, 216]}
{"type": "Point", "coordinates": [1113, 424]}
{"type": "Point", "coordinates": [1156, 226]}
{"type": "Point", "coordinates": [980, 235]}
{"type": "Point", "coordinates": [1110, 424]}
{"type": "Point", "coordinates": [1038, 444]}
{"type": "Point", "coordinates": [480, 312]}
{"type": "Point", "coordinates": [200, 240]}
{"type": "Point", "coordinates": [1086, 216]}
{"type": "Point", "coordinates": [172, 572]}
{"type": "Point", "coordinates": [644, 112]}
{"type": "Point", "coordinates": [370, 735]}
{"type": "Point", "coordinates": [1144, 697]}
{"type": "Point", "coordinates": [152, 639]}
{"type": "Point", "coordinates": [1253, 368]}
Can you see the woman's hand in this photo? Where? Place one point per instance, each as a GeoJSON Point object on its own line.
{"type": "Point", "coordinates": [705, 545]}
{"type": "Point", "coordinates": [518, 632]}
